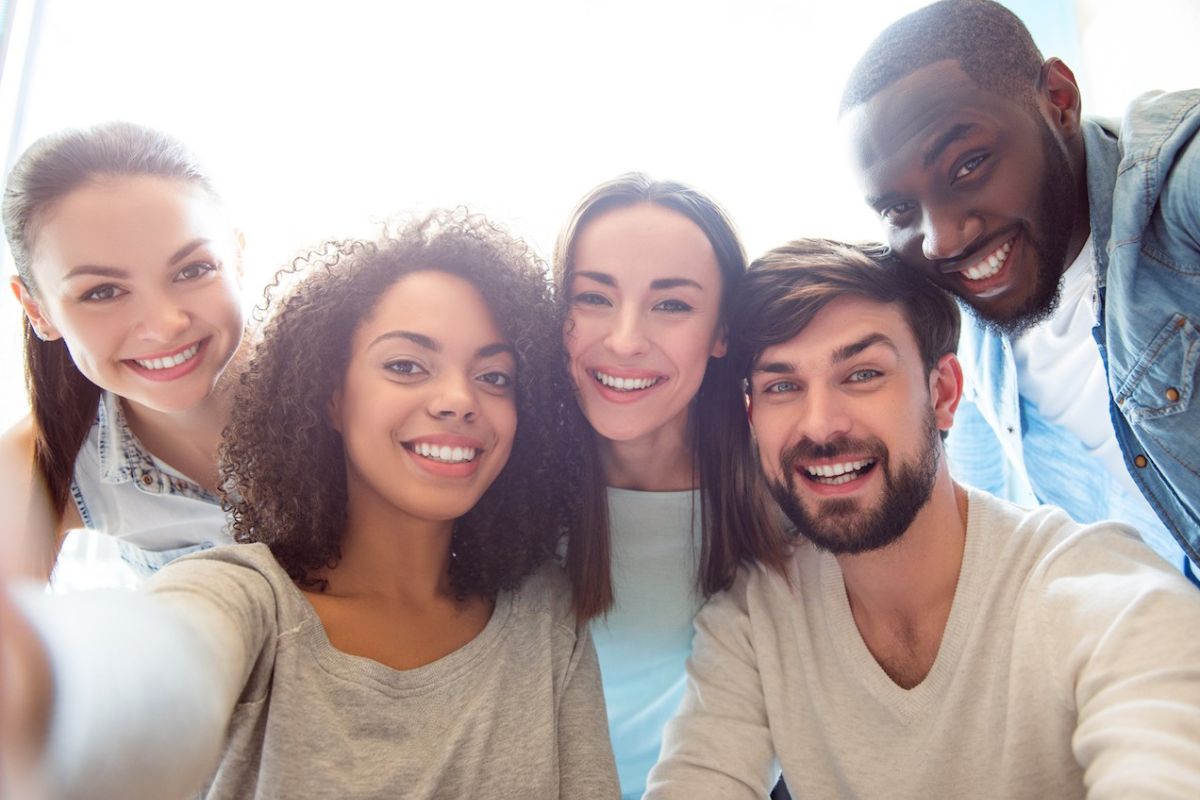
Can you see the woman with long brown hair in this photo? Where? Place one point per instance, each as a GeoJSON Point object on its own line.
{"type": "Point", "coordinates": [644, 271]}
{"type": "Point", "coordinates": [129, 271]}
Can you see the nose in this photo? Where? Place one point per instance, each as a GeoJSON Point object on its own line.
{"type": "Point", "coordinates": [948, 233]}
{"type": "Point", "coordinates": [627, 336]}
{"type": "Point", "coordinates": [161, 320]}
{"type": "Point", "coordinates": [453, 397]}
{"type": "Point", "coordinates": [825, 416]}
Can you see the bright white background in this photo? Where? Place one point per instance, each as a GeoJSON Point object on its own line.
{"type": "Point", "coordinates": [321, 118]}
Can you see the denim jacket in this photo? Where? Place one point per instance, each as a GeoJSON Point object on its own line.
{"type": "Point", "coordinates": [1143, 181]}
{"type": "Point", "coordinates": [155, 513]}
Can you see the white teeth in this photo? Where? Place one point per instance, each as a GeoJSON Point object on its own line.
{"type": "Point", "coordinates": [169, 361]}
{"type": "Point", "coordinates": [836, 474]}
{"type": "Point", "coordinates": [444, 453]}
{"type": "Point", "coordinates": [624, 384]}
{"type": "Point", "coordinates": [987, 267]}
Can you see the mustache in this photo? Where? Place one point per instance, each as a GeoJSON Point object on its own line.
{"type": "Point", "coordinates": [808, 450]}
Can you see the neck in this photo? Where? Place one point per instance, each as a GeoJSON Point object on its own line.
{"type": "Point", "coordinates": [1082, 224]}
{"type": "Point", "coordinates": [189, 439]}
{"type": "Point", "coordinates": [911, 583]}
{"type": "Point", "coordinates": [388, 554]}
{"type": "Point", "coordinates": [661, 461]}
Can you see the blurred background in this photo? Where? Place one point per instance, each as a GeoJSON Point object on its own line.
{"type": "Point", "coordinates": [323, 118]}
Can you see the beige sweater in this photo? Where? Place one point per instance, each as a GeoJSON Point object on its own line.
{"type": "Point", "coordinates": [1070, 667]}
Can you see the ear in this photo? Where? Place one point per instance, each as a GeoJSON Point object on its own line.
{"type": "Point", "coordinates": [42, 326]}
{"type": "Point", "coordinates": [239, 241]}
{"type": "Point", "coordinates": [945, 390]}
{"type": "Point", "coordinates": [335, 410]}
{"type": "Point", "coordinates": [720, 346]}
{"type": "Point", "coordinates": [1059, 97]}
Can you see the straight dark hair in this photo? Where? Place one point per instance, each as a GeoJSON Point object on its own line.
{"type": "Point", "coordinates": [62, 400]}
{"type": "Point", "coordinates": [735, 511]}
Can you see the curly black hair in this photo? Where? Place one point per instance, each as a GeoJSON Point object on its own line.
{"type": "Point", "coordinates": [283, 464]}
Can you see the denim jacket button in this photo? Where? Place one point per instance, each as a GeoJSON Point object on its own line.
{"type": "Point", "coordinates": [1173, 394]}
{"type": "Point", "coordinates": [147, 479]}
{"type": "Point", "coordinates": [1140, 461]}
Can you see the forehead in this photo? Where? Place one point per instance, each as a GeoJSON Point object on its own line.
{"type": "Point", "coordinates": [642, 238]}
{"type": "Point", "coordinates": [437, 304]}
{"type": "Point", "coordinates": [843, 322]}
{"type": "Point", "coordinates": [917, 109]}
{"type": "Point", "coordinates": [117, 222]}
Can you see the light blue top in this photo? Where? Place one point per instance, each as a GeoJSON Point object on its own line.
{"type": "Point", "coordinates": [645, 640]}
{"type": "Point", "coordinates": [1143, 180]}
{"type": "Point", "coordinates": [155, 512]}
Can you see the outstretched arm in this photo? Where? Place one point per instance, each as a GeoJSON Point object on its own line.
{"type": "Point", "coordinates": [142, 685]}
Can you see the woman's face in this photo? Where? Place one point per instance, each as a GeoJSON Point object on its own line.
{"type": "Point", "coordinates": [427, 412]}
{"type": "Point", "coordinates": [645, 296]}
{"type": "Point", "coordinates": [140, 277]}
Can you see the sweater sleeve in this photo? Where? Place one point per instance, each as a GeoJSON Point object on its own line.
{"type": "Point", "coordinates": [1120, 629]}
{"type": "Point", "coordinates": [145, 682]}
{"type": "Point", "coordinates": [585, 759]}
{"type": "Point", "coordinates": [719, 745]}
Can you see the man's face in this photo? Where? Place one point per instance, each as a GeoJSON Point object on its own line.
{"type": "Point", "coordinates": [846, 427]}
{"type": "Point", "coordinates": [973, 189]}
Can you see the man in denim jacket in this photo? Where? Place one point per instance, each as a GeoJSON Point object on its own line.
{"type": "Point", "coordinates": [1075, 243]}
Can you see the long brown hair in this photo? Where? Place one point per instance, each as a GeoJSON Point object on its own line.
{"type": "Point", "coordinates": [62, 400]}
{"type": "Point", "coordinates": [735, 519]}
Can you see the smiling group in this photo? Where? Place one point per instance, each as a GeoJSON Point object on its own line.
{"type": "Point", "coordinates": [479, 516]}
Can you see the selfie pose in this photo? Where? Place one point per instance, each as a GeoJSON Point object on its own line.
{"type": "Point", "coordinates": [398, 628]}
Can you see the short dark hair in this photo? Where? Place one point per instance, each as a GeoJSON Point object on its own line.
{"type": "Point", "coordinates": [788, 286]}
{"type": "Point", "coordinates": [989, 42]}
{"type": "Point", "coordinates": [283, 464]}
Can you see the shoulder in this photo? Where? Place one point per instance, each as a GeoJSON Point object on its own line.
{"type": "Point", "coordinates": [546, 594]}
{"type": "Point", "coordinates": [239, 578]}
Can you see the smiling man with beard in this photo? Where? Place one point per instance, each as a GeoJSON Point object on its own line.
{"type": "Point", "coordinates": [924, 639]}
{"type": "Point", "coordinates": [1074, 242]}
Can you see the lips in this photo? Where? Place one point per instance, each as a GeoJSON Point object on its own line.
{"type": "Point", "coordinates": [625, 385]}
{"type": "Point", "coordinates": [445, 455]}
{"type": "Point", "coordinates": [171, 364]}
{"type": "Point", "coordinates": [987, 274]}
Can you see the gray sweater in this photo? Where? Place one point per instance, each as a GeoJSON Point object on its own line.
{"type": "Point", "coordinates": [222, 661]}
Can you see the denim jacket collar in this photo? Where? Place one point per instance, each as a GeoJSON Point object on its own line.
{"type": "Point", "coordinates": [124, 460]}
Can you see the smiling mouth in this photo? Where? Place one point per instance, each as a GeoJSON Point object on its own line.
{"type": "Point", "coordinates": [625, 384]}
{"type": "Point", "coordinates": [989, 265]}
{"type": "Point", "coordinates": [837, 474]}
{"type": "Point", "coordinates": [442, 454]}
{"type": "Point", "coordinates": [166, 362]}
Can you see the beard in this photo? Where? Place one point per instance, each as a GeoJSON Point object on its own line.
{"type": "Point", "coordinates": [1056, 215]}
{"type": "Point", "coordinates": [843, 526]}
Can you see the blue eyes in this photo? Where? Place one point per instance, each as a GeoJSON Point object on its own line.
{"type": "Point", "coordinates": [858, 377]}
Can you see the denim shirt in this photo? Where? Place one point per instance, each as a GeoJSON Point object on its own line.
{"type": "Point", "coordinates": [1143, 181]}
{"type": "Point", "coordinates": [156, 513]}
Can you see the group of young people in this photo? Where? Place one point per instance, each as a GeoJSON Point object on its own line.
{"type": "Point", "coordinates": [648, 522]}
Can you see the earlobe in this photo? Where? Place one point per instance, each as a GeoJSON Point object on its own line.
{"type": "Point", "coordinates": [945, 390]}
{"type": "Point", "coordinates": [1060, 96]}
{"type": "Point", "coordinates": [42, 327]}
{"type": "Point", "coordinates": [720, 346]}
{"type": "Point", "coordinates": [335, 410]}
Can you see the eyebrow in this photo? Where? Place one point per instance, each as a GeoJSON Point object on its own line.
{"type": "Point", "coordinates": [428, 343]}
{"type": "Point", "coordinates": [661, 283]}
{"type": "Point", "coordinates": [117, 272]}
{"type": "Point", "coordinates": [954, 134]}
{"type": "Point", "coordinates": [843, 353]}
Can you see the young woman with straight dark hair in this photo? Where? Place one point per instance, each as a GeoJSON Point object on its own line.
{"type": "Point", "coordinates": [672, 500]}
{"type": "Point", "coordinates": [128, 270]}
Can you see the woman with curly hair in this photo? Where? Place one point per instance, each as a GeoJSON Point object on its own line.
{"type": "Point", "coordinates": [673, 501]}
{"type": "Point", "coordinates": [395, 625]}
{"type": "Point", "coordinates": [129, 273]}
